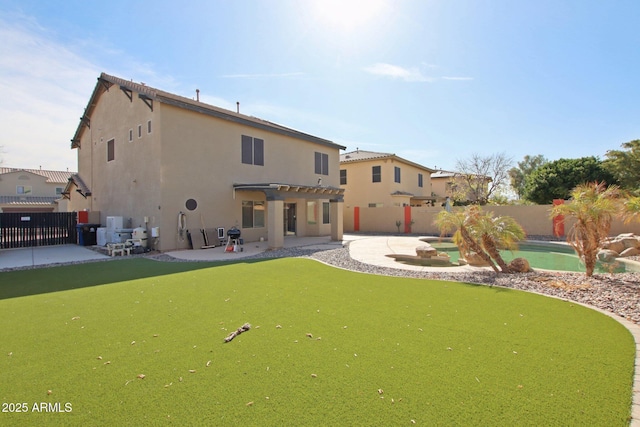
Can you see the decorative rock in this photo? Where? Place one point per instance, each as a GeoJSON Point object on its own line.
{"type": "Point", "coordinates": [520, 265]}
{"type": "Point", "coordinates": [607, 255]}
{"type": "Point", "coordinates": [426, 251]}
{"type": "Point", "coordinates": [475, 260]}
{"type": "Point", "coordinates": [630, 252]}
{"type": "Point", "coordinates": [627, 244]}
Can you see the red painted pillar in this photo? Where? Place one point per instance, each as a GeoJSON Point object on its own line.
{"type": "Point", "coordinates": [356, 218]}
{"type": "Point", "coordinates": [558, 220]}
{"type": "Point", "coordinates": [407, 219]}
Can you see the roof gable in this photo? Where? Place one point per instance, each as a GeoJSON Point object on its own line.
{"type": "Point", "coordinates": [364, 156]}
{"type": "Point", "coordinates": [51, 177]}
{"type": "Point", "coordinates": [150, 95]}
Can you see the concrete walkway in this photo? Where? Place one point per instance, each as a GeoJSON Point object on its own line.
{"type": "Point", "coordinates": [44, 255]}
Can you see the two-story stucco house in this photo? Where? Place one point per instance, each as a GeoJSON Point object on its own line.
{"type": "Point", "coordinates": [172, 164]}
{"type": "Point", "coordinates": [32, 190]}
{"type": "Point", "coordinates": [372, 179]}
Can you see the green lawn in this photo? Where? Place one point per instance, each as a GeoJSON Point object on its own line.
{"type": "Point", "coordinates": [382, 350]}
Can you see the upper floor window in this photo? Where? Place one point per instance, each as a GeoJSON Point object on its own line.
{"type": "Point", "coordinates": [321, 163]}
{"type": "Point", "coordinates": [343, 177]}
{"type": "Point", "coordinates": [420, 180]}
{"type": "Point", "coordinates": [23, 189]}
{"type": "Point", "coordinates": [130, 135]}
{"type": "Point", "coordinates": [252, 150]}
{"type": "Point", "coordinates": [377, 173]}
{"type": "Point", "coordinates": [111, 150]}
{"type": "Point", "coordinates": [149, 126]}
{"type": "Point", "coordinates": [396, 174]}
{"type": "Point", "coordinates": [139, 131]}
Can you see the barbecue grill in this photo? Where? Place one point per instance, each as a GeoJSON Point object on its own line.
{"type": "Point", "coordinates": [233, 240]}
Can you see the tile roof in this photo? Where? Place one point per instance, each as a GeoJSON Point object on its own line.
{"type": "Point", "coordinates": [59, 177]}
{"type": "Point", "coordinates": [150, 94]}
{"type": "Point", "coordinates": [22, 200]}
{"type": "Point", "coordinates": [362, 155]}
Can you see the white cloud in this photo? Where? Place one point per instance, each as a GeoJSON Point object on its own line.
{"type": "Point", "coordinates": [263, 76]}
{"type": "Point", "coordinates": [45, 87]}
{"type": "Point", "coordinates": [457, 78]}
{"type": "Point", "coordinates": [396, 72]}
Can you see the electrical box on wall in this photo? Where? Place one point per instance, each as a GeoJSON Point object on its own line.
{"type": "Point", "coordinates": [155, 232]}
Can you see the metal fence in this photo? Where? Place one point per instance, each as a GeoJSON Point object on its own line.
{"type": "Point", "coordinates": [23, 230]}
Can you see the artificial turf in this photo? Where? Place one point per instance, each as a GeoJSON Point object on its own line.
{"type": "Point", "coordinates": [326, 347]}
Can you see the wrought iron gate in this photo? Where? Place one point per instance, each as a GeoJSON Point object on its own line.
{"type": "Point", "coordinates": [23, 230]}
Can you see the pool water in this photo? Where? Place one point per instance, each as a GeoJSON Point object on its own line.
{"type": "Point", "coordinates": [547, 257]}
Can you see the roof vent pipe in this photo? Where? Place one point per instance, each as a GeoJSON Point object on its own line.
{"type": "Point", "coordinates": [238, 106]}
{"type": "Point", "coordinates": [198, 95]}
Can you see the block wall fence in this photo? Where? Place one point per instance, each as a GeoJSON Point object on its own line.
{"type": "Point", "coordinates": [535, 219]}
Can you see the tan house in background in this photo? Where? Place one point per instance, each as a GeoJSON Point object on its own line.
{"type": "Point", "coordinates": [456, 185]}
{"type": "Point", "coordinates": [175, 165]}
{"type": "Point", "coordinates": [372, 179]}
{"type": "Point", "coordinates": [32, 190]}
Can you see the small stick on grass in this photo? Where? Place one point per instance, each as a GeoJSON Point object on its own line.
{"type": "Point", "coordinates": [238, 331]}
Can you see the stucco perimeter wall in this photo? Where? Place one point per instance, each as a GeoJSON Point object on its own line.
{"type": "Point", "coordinates": [535, 220]}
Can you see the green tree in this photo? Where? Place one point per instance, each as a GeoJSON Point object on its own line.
{"type": "Point", "coordinates": [556, 179]}
{"type": "Point", "coordinates": [624, 165]}
{"type": "Point", "coordinates": [593, 207]}
{"type": "Point", "coordinates": [518, 175]}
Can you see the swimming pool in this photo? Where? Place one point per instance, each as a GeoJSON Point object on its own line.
{"type": "Point", "coordinates": [546, 256]}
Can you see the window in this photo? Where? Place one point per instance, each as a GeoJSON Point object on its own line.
{"type": "Point", "coordinates": [24, 189]}
{"type": "Point", "coordinates": [252, 214]}
{"type": "Point", "coordinates": [252, 151]}
{"type": "Point", "coordinates": [396, 174]}
{"type": "Point", "coordinates": [376, 205]}
{"type": "Point", "coordinates": [111, 150]}
{"type": "Point", "coordinates": [139, 131]}
{"type": "Point", "coordinates": [325, 213]}
{"type": "Point", "coordinates": [149, 126]}
{"type": "Point", "coordinates": [420, 180]}
{"type": "Point", "coordinates": [377, 173]}
{"type": "Point", "coordinates": [59, 191]}
{"type": "Point", "coordinates": [343, 177]}
{"type": "Point", "coordinates": [321, 163]}
{"type": "Point", "coordinates": [130, 135]}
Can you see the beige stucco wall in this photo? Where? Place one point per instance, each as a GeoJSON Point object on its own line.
{"type": "Point", "coordinates": [360, 190]}
{"type": "Point", "coordinates": [188, 155]}
{"type": "Point", "coordinates": [535, 220]}
{"type": "Point", "coordinates": [39, 187]}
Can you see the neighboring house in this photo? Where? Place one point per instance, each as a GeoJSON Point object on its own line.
{"type": "Point", "coordinates": [174, 164]}
{"type": "Point", "coordinates": [456, 186]}
{"type": "Point", "coordinates": [32, 190]}
{"type": "Point", "coordinates": [373, 179]}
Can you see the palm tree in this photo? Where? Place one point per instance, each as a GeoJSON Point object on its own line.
{"type": "Point", "coordinates": [463, 222]}
{"type": "Point", "coordinates": [593, 207]}
{"type": "Point", "coordinates": [497, 233]}
{"type": "Point", "coordinates": [631, 209]}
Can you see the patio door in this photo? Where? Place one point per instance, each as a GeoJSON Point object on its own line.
{"type": "Point", "coordinates": [289, 219]}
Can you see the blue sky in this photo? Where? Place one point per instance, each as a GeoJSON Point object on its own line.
{"type": "Point", "coordinates": [432, 81]}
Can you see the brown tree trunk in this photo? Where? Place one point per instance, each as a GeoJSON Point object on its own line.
{"type": "Point", "coordinates": [474, 246]}
{"type": "Point", "coordinates": [490, 246]}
